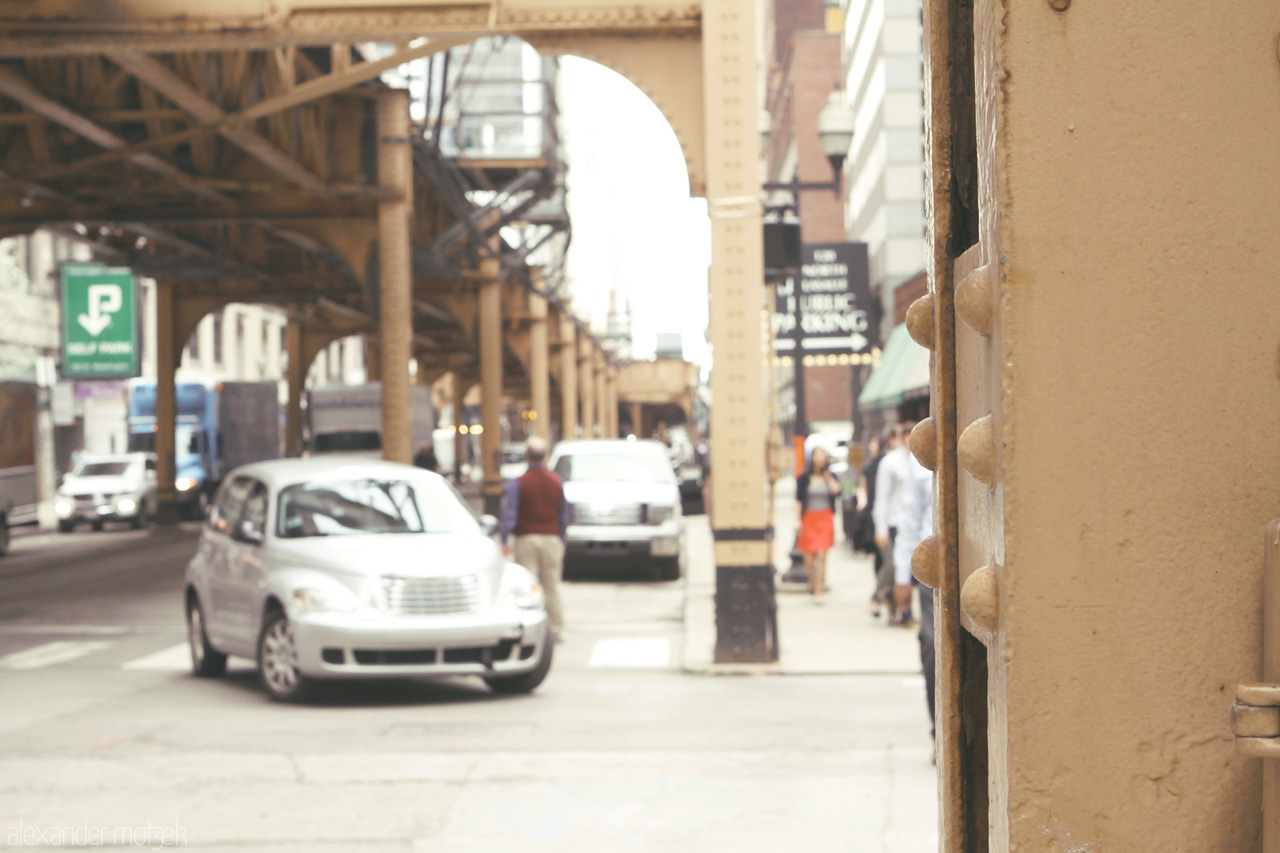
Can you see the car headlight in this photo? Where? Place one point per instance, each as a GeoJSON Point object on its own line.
{"type": "Point", "coordinates": [659, 514]}
{"type": "Point", "coordinates": [63, 506]}
{"type": "Point", "coordinates": [520, 589]}
{"type": "Point", "coordinates": [324, 600]}
{"type": "Point", "coordinates": [185, 484]}
{"type": "Point", "coordinates": [126, 505]}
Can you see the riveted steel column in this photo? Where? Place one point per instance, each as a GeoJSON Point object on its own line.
{"type": "Point", "coordinates": [746, 625]}
{"type": "Point", "coordinates": [602, 398]}
{"type": "Point", "coordinates": [540, 366]}
{"type": "Point", "coordinates": [459, 440]}
{"type": "Point", "coordinates": [612, 396]}
{"type": "Point", "coordinates": [491, 384]}
{"type": "Point", "coordinates": [587, 379]}
{"type": "Point", "coordinates": [166, 406]}
{"type": "Point", "coordinates": [296, 371]}
{"type": "Point", "coordinates": [395, 174]}
{"type": "Point", "coordinates": [568, 379]}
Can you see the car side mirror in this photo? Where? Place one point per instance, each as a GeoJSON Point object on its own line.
{"type": "Point", "coordinates": [246, 532]}
{"type": "Point", "coordinates": [488, 525]}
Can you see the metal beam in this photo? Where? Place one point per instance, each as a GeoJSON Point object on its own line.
{"type": "Point", "coordinates": [18, 88]}
{"type": "Point", "coordinates": [164, 80]}
{"type": "Point", "coordinates": [71, 27]}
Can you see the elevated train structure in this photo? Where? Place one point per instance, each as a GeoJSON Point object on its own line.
{"type": "Point", "coordinates": [1102, 212]}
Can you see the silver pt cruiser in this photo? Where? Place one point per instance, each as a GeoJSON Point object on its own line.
{"type": "Point", "coordinates": [343, 568]}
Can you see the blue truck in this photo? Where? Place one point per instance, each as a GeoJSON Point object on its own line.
{"type": "Point", "coordinates": [220, 426]}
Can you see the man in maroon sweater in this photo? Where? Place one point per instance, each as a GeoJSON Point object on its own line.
{"type": "Point", "coordinates": [536, 514]}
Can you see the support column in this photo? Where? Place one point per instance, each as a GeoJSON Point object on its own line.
{"type": "Point", "coordinates": [746, 608]}
{"type": "Point", "coordinates": [637, 419]}
{"type": "Point", "coordinates": [166, 406]}
{"type": "Point", "coordinates": [296, 376]}
{"type": "Point", "coordinates": [491, 384]}
{"type": "Point", "coordinates": [612, 397]}
{"type": "Point", "coordinates": [395, 174]}
{"type": "Point", "coordinates": [568, 379]}
{"type": "Point", "coordinates": [587, 380]}
{"type": "Point", "coordinates": [602, 402]}
{"type": "Point", "coordinates": [540, 366]}
{"type": "Point", "coordinates": [372, 361]}
{"type": "Point", "coordinates": [459, 440]}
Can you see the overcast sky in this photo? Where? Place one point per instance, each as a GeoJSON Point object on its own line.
{"type": "Point", "coordinates": [634, 225]}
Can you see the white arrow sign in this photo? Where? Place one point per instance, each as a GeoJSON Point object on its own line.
{"type": "Point", "coordinates": [104, 300]}
{"type": "Point", "coordinates": [853, 343]}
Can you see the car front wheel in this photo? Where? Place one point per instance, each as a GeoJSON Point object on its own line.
{"type": "Point", "coordinates": [278, 660]}
{"type": "Point", "coordinates": [527, 682]}
{"type": "Point", "coordinates": [206, 661]}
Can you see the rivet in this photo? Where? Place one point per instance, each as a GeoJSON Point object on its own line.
{"type": "Point", "coordinates": [980, 598]}
{"type": "Point", "coordinates": [924, 443]}
{"type": "Point", "coordinates": [920, 321]}
{"type": "Point", "coordinates": [926, 562]}
{"type": "Point", "coordinates": [975, 301]}
{"type": "Point", "coordinates": [977, 449]}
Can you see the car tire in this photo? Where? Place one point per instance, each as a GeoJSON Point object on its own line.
{"type": "Point", "coordinates": [668, 569]}
{"type": "Point", "coordinates": [527, 682]}
{"type": "Point", "coordinates": [138, 521]}
{"type": "Point", "coordinates": [206, 661]}
{"type": "Point", "coordinates": [278, 660]}
{"type": "Point", "coordinates": [97, 525]}
{"type": "Point", "coordinates": [66, 526]}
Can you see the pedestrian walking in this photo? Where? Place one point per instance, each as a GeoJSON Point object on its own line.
{"type": "Point", "coordinates": [864, 538]}
{"type": "Point", "coordinates": [426, 458]}
{"type": "Point", "coordinates": [891, 482]}
{"type": "Point", "coordinates": [816, 492]}
{"type": "Point", "coordinates": [915, 522]}
{"type": "Point", "coordinates": [536, 515]}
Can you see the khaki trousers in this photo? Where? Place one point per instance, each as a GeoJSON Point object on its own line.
{"type": "Point", "coordinates": [544, 556]}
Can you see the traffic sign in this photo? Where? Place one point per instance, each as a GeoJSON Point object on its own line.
{"type": "Point", "coordinates": [99, 327]}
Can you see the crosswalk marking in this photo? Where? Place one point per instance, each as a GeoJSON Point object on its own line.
{"type": "Point", "coordinates": [173, 659]}
{"type": "Point", "coordinates": [631, 652]}
{"type": "Point", "coordinates": [48, 654]}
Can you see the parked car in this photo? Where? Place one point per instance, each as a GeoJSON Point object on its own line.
{"type": "Point", "coordinates": [624, 504]}
{"type": "Point", "coordinates": [116, 487]}
{"type": "Point", "coordinates": [345, 567]}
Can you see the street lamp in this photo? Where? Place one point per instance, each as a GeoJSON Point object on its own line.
{"type": "Point", "coordinates": [835, 132]}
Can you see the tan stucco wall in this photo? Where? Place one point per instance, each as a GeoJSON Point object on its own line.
{"type": "Point", "coordinates": [1137, 184]}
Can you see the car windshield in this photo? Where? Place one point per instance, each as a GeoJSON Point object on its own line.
{"type": "Point", "coordinates": [621, 467]}
{"type": "Point", "coordinates": [512, 455]}
{"type": "Point", "coordinates": [347, 442]}
{"type": "Point", "coordinates": [102, 469]}
{"type": "Point", "coordinates": [350, 507]}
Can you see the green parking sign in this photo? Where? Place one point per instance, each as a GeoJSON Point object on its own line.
{"type": "Point", "coordinates": [99, 326]}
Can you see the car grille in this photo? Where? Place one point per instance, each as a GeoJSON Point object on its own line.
{"type": "Point", "coordinates": [92, 499]}
{"type": "Point", "coordinates": [617, 514]}
{"type": "Point", "coordinates": [425, 596]}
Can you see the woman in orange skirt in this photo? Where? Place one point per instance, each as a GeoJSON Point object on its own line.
{"type": "Point", "coordinates": [816, 493]}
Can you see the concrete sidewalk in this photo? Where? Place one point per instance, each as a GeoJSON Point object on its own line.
{"type": "Point", "coordinates": [834, 638]}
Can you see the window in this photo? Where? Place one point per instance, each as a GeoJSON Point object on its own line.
{"type": "Point", "coordinates": [351, 507]}
{"type": "Point", "coordinates": [229, 505]}
{"type": "Point", "coordinates": [254, 516]}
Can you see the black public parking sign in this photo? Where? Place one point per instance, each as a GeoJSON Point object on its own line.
{"type": "Point", "coordinates": [830, 303]}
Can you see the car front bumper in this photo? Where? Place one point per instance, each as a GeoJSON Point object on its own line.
{"type": "Point", "coordinates": [640, 541]}
{"type": "Point", "coordinates": [80, 511]}
{"type": "Point", "coordinates": [502, 641]}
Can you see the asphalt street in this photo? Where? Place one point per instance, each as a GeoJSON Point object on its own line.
{"type": "Point", "coordinates": [102, 728]}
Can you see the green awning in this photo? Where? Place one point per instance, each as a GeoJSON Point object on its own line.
{"type": "Point", "coordinates": [903, 373]}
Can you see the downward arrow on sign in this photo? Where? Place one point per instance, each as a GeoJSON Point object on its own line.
{"type": "Point", "coordinates": [104, 299]}
{"type": "Point", "coordinates": [94, 325]}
